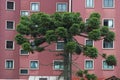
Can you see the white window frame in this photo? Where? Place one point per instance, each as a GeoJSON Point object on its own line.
{"type": "Point", "coordinates": [24, 11]}
{"type": "Point", "coordinates": [89, 6]}
{"type": "Point", "coordinates": [13, 24]}
{"type": "Point", "coordinates": [13, 5]}
{"type": "Point", "coordinates": [108, 7]}
{"type": "Point", "coordinates": [9, 48]}
{"type": "Point", "coordinates": [109, 19]}
{"type": "Point", "coordinates": [6, 62]}
{"type": "Point", "coordinates": [61, 3]}
{"type": "Point", "coordinates": [88, 39]}
{"type": "Point", "coordinates": [34, 68]}
{"type": "Point", "coordinates": [22, 54]}
{"type": "Point", "coordinates": [57, 48]}
{"type": "Point", "coordinates": [85, 64]}
{"type": "Point", "coordinates": [106, 68]}
{"type": "Point", "coordinates": [106, 48]}
{"type": "Point", "coordinates": [35, 3]}
{"type": "Point", "coordinates": [54, 67]}
{"type": "Point", "coordinates": [23, 68]}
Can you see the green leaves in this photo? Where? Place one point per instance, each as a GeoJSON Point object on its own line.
{"type": "Point", "coordinates": [111, 60]}
{"type": "Point", "coordinates": [75, 29]}
{"type": "Point", "coordinates": [61, 32]}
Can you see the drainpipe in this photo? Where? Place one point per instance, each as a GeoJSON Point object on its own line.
{"type": "Point", "coordinates": [70, 5]}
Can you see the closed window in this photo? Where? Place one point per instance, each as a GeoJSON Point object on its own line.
{"type": "Point", "coordinates": [60, 45]}
{"type": "Point", "coordinates": [35, 7]}
{"type": "Point", "coordinates": [108, 22]}
{"type": "Point", "coordinates": [34, 65]}
{"type": "Point", "coordinates": [23, 71]}
{"type": "Point", "coordinates": [9, 45]}
{"type": "Point", "coordinates": [107, 44]}
{"type": "Point", "coordinates": [89, 42]}
{"type": "Point", "coordinates": [23, 52]}
{"type": "Point", "coordinates": [10, 5]}
{"type": "Point", "coordinates": [107, 67]}
{"type": "Point", "coordinates": [61, 7]}
{"type": "Point", "coordinates": [9, 64]}
{"type": "Point", "coordinates": [108, 3]}
{"type": "Point", "coordinates": [89, 3]}
{"type": "Point", "coordinates": [43, 79]}
{"type": "Point", "coordinates": [89, 64]}
{"type": "Point", "coordinates": [58, 65]}
{"type": "Point", "coordinates": [24, 13]}
{"type": "Point", "coordinates": [10, 25]}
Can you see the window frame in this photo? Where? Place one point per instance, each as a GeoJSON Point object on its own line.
{"type": "Point", "coordinates": [34, 68]}
{"type": "Point", "coordinates": [13, 5]}
{"type": "Point", "coordinates": [6, 24]}
{"type": "Point", "coordinates": [108, 7]}
{"type": "Point", "coordinates": [88, 39]}
{"type": "Point", "coordinates": [24, 69]}
{"type": "Point", "coordinates": [106, 48]}
{"type": "Point", "coordinates": [23, 54]}
{"type": "Point", "coordinates": [57, 47]}
{"type": "Point", "coordinates": [24, 11]}
{"type": "Point", "coordinates": [54, 65]}
{"type": "Point", "coordinates": [34, 3]}
{"type": "Point", "coordinates": [9, 48]}
{"type": "Point", "coordinates": [61, 3]}
{"type": "Point", "coordinates": [109, 19]}
{"type": "Point", "coordinates": [85, 64]}
{"type": "Point", "coordinates": [89, 6]}
{"type": "Point", "coordinates": [107, 66]}
{"type": "Point", "coordinates": [6, 63]}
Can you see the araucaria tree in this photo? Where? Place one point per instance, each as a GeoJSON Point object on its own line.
{"type": "Point", "coordinates": [41, 27]}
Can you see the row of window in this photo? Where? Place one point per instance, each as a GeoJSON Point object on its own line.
{"type": "Point", "coordinates": [10, 25]}
{"type": "Point", "coordinates": [105, 3]}
{"type": "Point", "coordinates": [57, 65]}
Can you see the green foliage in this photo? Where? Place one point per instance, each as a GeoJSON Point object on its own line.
{"type": "Point", "coordinates": [97, 15]}
{"type": "Point", "coordinates": [104, 30]}
{"type": "Point", "coordinates": [39, 49]}
{"type": "Point", "coordinates": [90, 52]}
{"type": "Point", "coordinates": [78, 49]}
{"type": "Point", "coordinates": [39, 41]}
{"type": "Point", "coordinates": [20, 39]}
{"type": "Point", "coordinates": [26, 46]}
{"type": "Point", "coordinates": [61, 32]}
{"type": "Point", "coordinates": [80, 73]}
{"type": "Point", "coordinates": [74, 29]}
{"type": "Point", "coordinates": [70, 47]}
{"type": "Point", "coordinates": [111, 60]}
{"type": "Point", "coordinates": [110, 36]}
{"type": "Point", "coordinates": [94, 35]}
{"type": "Point", "coordinates": [91, 77]}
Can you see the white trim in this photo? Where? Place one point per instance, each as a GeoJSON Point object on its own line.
{"type": "Point", "coordinates": [9, 48]}
{"type": "Point", "coordinates": [89, 7]}
{"type": "Point", "coordinates": [33, 68]}
{"type": "Point", "coordinates": [13, 24]}
{"type": "Point", "coordinates": [56, 46]}
{"type": "Point", "coordinates": [107, 48]}
{"type": "Point", "coordinates": [53, 64]}
{"type": "Point", "coordinates": [38, 6]}
{"type": "Point", "coordinates": [108, 7]}
{"type": "Point", "coordinates": [13, 6]}
{"type": "Point", "coordinates": [9, 60]}
{"type": "Point", "coordinates": [88, 39]}
{"type": "Point", "coordinates": [107, 68]}
{"type": "Point", "coordinates": [23, 68]}
{"type": "Point", "coordinates": [70, 5]}
{"type": "Point", "coordinates": [23, 54]}
{"type": "Point", "coordinates": [85, 64]}
{"type": "Point", "coordinates": [26, 11]}
{"type": "Point", "coordinates": [109, 19]}
{"type": "Point", "coordinates": [62, 3]}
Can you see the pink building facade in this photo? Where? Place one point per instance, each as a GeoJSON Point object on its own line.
{"type": "Point", "coordinates": [15, 63]}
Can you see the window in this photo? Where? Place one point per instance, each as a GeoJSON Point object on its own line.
{"type": "Point", "coordinates": [24, 13]}
{"type": "Point", "coordinates": [10, 25]}
{"type": "Point", "coordinates": [108, 3]}
{"type": "Point", "coordinates": [23, 52]}
{"type": "Point", "coordinates": [89, 64]}
{"type": "Point", "coordinates": [108, 22]}
{"type": "Point", "coordinates": [42, 78]}
{"type": "Point", "coordinates": [107, 44]}
{"type": "Point", "coordinates": [23, 71]}
{"type": "Point", "coordinates": [10, 5]}
{"type": "Point", "coordinates": [9, 45]}
{"type": "Point", "coordinates": [58, 65]}
{"type": "Point", "coordinates": [107, 67]}
{"type": "Point", "coordinates": [61, 7]}
{"type": "Point", "coordinates": [35, 6]}
{"type": "Point", "coordinates": [34, 65]}
{"type": "Point", "coordinates": [60, 45]}
{"type": "Point", "coordinates": [89, 42]}
{"type": "Point", "coordinates": [9, 64]}
{"type": "Point", "coordinates": [89, 3]}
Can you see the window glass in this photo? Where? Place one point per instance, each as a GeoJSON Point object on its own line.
{"type": "Point", "coordinates": [23, 52]}
{"type": "Point", "coordinates": [61, 7]}
{"type": "Point", "coordinates": [9, 64]}
{"type": "Point", "coordinates": [10, 5]}
{"type": "Point", "coordinates": [108, 3]}
{"type": "Point", "coordinates": [24, 13]}
{"type": "Point", "coordinates": [89, 3]}
{"type": "Point", "coordinates": [24, 71]}
{"type": "Point", "coordinates": [107, 44]}
{"type": "Point", "coordinates": [9, 45]}
{"type": "Point", "coordinates": [34, 64]}
{"type": "Point", "coordinates": [108, 22]}
{"type": "Point", "coordinates": [58, 65]}
{"type": "Point", "coordinates": [88, 64]}
{"type": "Point", "coordinates": [10, 24]}
{"type": "Point", "coordinates": [60, 45]}
{"type": "Point", "coordinates": [105, 66]}
{"type": "Point", "coordinates": [89, 42]}
{"type": "Point", "coordinates": [35, 6]}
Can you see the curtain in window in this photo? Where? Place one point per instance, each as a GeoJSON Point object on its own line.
{"type": "Point", "coordinates": [89, 64]}
{"type": "Point", "coordinates": [34, 64]}
{"type": "Point", "coordinates": [9, 64]}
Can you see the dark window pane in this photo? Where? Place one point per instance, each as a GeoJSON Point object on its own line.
{"type": "Point", "coordinates": [24, 71]}
{"type": "Point", "coordinates": [42, 78]}
{"type": "Point", "coordinates": [9, 24]}
{"type": "Point", "coordinates": [10, 5]}
{"type": "Point", "coordinates": [9, 44]}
